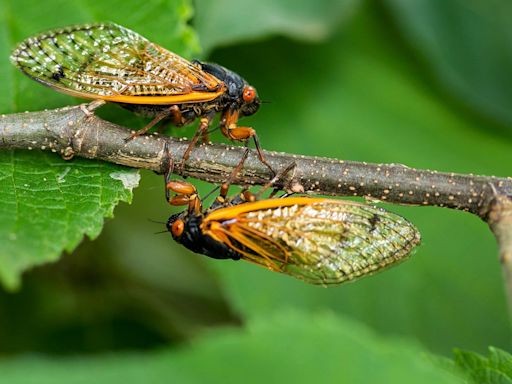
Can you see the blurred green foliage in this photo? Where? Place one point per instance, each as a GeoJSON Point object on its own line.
{"type": "Point", "coordinates": [467, 47]}
{"type": "Point", "coordinates": [304, 348]}
{"type": "Point", "coordinates": [495, 369]}
{"type": "Point", "coordinates": [421, 83]}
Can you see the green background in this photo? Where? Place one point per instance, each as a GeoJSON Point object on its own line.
{"type": "Point", "coordinates": [422, 83]}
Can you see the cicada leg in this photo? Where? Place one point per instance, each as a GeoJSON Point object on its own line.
{"type": "Point", "coordinates": [150, 125]}
{"type": "Point", "coordinates": [175, 118]}
{"type": "Point", "coordinates": [186, 193]}
{"type": "Point", "coordinates": [230, 129]}
{"type": "Point", "coordinates": [248, 196]}
{"type": "Point", "coordinates": [245, 194]}
{"type": "Point", "coordinates": [278, 177]}
{"type": "Point", "coordinates": [232, 177]}
{"type": "Point", "coordinates": [204, 123]}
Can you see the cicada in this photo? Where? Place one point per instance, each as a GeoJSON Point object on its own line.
{"type": "Point", "coordinates": [319, 240]}
{"type": "Point", "coordinates": [109, 62]}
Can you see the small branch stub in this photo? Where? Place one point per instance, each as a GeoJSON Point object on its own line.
{"type": "Point", "coordinates": [500, 221]}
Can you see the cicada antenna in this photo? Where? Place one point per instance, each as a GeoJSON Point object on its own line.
{"type": "Point", "coordinates": [157, 222]}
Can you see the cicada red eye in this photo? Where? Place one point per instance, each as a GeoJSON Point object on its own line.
{"type": "Point", "coordinates": [249, 94]}
{"type": "Point", "coordinates": [177, 228]}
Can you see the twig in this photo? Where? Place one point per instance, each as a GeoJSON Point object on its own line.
{"type": "Point", "coordinates": [75, 131]}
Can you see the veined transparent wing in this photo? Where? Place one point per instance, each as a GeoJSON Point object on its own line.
{"type": "Point", "coordinates": [321, 241]}
{"type": "Point", "coordinates": [110, 62]}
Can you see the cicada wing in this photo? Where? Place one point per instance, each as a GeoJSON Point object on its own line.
{"type": "Point", "coordinates": [107, 61]}
{"type": "Point", "coordinates": [253, 245]}
{"type": "Point", "coordinates": [325, 242]}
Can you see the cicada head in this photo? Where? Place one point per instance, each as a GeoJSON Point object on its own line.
{"type": "Point", "coordinates": [185, 229]}
{"type": "Point", "coordinates": [239, 93]}
{"type": "Point", "coordinates": [251, 101]}
{"type": "Point", "coordinates": [176, 225]}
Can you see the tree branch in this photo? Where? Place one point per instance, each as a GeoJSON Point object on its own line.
{"type": "Point", "coordinates": [72, 132]}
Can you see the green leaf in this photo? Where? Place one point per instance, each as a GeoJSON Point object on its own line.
{"type": "Point", "coordinates": [495, 369]}
{"type": "Point", "coordinates": [304, 349]}
{"type": "Point", "coordinates": [48, 204]}
{"type": "Point", "coordinates": [501, 360]}
{"type": "Point", "coordinates": [468, 45]}
{"type": "Point", "coordinates": [308, 20]}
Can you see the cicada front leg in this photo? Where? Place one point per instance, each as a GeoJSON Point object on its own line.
{"type": "Point", "coordinates": [231, 130]}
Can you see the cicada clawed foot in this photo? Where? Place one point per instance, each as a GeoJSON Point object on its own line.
{"type": "Point", "coordinates": [186, 194]}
